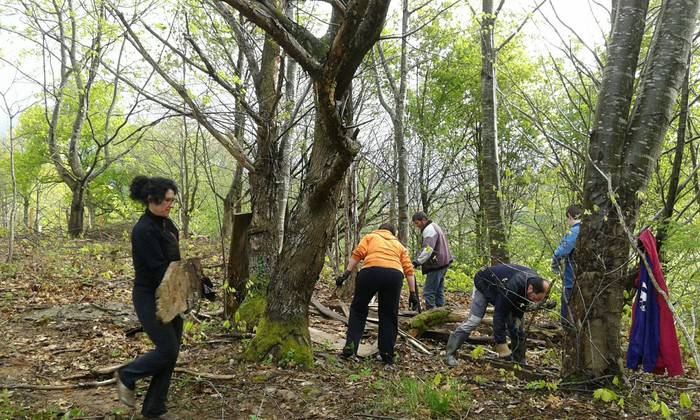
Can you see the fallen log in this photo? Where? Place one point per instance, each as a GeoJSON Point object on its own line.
{"type": "Point", "coordinates": [372, 324]}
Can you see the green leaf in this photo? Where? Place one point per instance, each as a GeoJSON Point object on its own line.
{"type": "Point", "coordinates": [605, 395]}
{"type": "Point", "coordinates": [685, 401]}
{"type": "Point", "coordinates": [437, 380]}
{"type": "Point", "coordinates": [616, 381]}
{"type": "Point", "coordinates": [665, 411]}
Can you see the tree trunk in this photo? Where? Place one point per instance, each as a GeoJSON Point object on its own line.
{"type": "Point", "coordinates": [232, 201]}
{"type": "Point", "coordinates": [13, 204]}
{"type": "Point", "coordinates": [284, 331]}
{"type": "Point", "coordinates": [399, 138]}
{"type": "Point", "coordinates": [490, 164]}
{"type": "Point", "coordinates": [266, 180]}
{"type": "Point", "coordinates": [622, 154]}
{"type": "Point", "coordinates": [76, 215]}
{"type": "Point", "coordinates": [25, 212]}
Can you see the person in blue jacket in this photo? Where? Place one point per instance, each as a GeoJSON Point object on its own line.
{"type": "Point", "coordinates": [564, 255]}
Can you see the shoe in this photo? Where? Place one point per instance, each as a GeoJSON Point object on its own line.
{"type": "Point", "coordinates": [126, 395]}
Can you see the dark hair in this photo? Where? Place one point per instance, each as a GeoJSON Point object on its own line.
{"type": "Point", "coordinates": [150, 190]}
{"type": "Point", "coordinates": [419, 215]}
{"type": "Point", "coordinates": [389, 227]}
{"type": "Point", "coordinates": [575, 211]}
{"type": "Point", "coordinates": [537, 284]}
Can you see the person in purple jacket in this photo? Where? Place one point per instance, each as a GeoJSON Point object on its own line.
{"type": "Point", "coordinates": [434, 260]}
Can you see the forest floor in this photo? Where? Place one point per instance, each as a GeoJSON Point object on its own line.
{"type": "Point", "coordinates": [66, 305]}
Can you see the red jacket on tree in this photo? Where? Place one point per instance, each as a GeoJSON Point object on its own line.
{"type": "Point", "coordinates": [669, 354]}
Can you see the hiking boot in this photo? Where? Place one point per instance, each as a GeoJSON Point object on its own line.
{"type": "Point", "coordinates": [126, 395]}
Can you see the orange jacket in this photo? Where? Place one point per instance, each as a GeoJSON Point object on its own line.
{"type": "Point", "coordinates": [381, 249]}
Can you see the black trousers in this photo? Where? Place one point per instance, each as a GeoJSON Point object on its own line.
{"type": "Point", "coordinates": [386, 282]}
{"type": "Point", "coordinates": [159, 362]}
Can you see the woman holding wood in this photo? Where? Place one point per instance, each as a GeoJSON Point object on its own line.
{"type": "Point", "coordinates": [386, 262]}
{"type": "Point", "coordinates": [154, 245]}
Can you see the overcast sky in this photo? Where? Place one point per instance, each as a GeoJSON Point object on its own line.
{"type": "Point", "coordinates": [587, 18]}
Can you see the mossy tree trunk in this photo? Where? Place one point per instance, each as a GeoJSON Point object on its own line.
{"type": "Point", "coordinates": [331, 63]}
{"type": "Point", "coordinates": [624, 147]}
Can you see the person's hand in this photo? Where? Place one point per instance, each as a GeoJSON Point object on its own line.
{"type": "Point", "coordinates": [416, 264]}
{"type": "Point", "coordinates": [413, 303]}
{"type": "Point", "coordinates": [341, 278]}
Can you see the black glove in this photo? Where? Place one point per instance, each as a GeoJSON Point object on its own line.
{"type": "Point", "coordinates": [208, 289]}
{"type": "Point", "coordinates": [413, 303]}
{"type": "Point", "coordinates": [416, 264]}
{"type": "Point", "coordinates": [341, 278]}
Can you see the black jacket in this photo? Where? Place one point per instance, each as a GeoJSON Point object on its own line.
{"type": "Point", "coordinates": [505, 286]}
{"type": "Point", "coordinates": [154, 245]}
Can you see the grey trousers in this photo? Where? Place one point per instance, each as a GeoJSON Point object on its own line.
{"type": "Point", "coordinates": [477, 310]}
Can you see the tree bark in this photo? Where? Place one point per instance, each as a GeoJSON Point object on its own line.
{"type": "Point", "coordinates": [490, 164]}
{"type": "Point", "coordinates": [76, 215]}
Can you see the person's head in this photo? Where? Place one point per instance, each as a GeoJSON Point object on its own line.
{"type": "Point", "coordinates": [157, 193]}
{"type": "Point", "coordinates": [573, 214]}
{"type": "Point", "coordinates": [389, 227]}
{"type": "Point", "coordinates": [537, 289]}
{"type": "Point", "coordinates": [419, 219]}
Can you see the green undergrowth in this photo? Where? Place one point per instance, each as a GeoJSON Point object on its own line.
{"type": "Point", "coordinates": [437, 398]}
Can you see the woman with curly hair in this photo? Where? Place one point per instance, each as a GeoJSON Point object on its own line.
{"type": "Point", "coordinates": [154, 245]}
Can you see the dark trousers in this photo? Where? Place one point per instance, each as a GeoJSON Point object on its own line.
{"type": "Point", "coordinates": [158, 363]}
{"type": "Point", "coordinates": [386, 282]}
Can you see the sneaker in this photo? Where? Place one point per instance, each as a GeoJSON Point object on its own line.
{"type": "Point", "coordinates": [126, 395]}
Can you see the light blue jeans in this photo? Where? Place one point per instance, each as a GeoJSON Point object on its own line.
{"type": "Point", "coordinates": [434, 289]}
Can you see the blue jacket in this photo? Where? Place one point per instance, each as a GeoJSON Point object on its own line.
{"type": "Point", "coordinates": [564, 251]}
{"type": "Point", "coordinates": [644, 338]}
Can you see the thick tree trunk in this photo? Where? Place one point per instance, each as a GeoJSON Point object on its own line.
{"type": "Point", "coordinates": [76, 215]}
{"type": "Point", "coordinates": [267, 179]}
{"type": "Point", "coordinates": [490, 164]}
{"type": "Point", "coordinates": [283, 332]}
{"type": "Point", "coordinates": [622, 154]}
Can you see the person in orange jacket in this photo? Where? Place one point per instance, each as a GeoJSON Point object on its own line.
{"type": "Point", "coordinates": [386, 262]}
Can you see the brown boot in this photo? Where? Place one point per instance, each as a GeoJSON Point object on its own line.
{"type": "Point", "coordinates": [126, 395]}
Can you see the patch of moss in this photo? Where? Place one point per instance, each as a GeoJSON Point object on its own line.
{"type": "Point", "coordinates": [286, 343]}
{"type": "Point", "coordinates": [250, 312]}
{"type": "Point", "coordinates": [425, 320]}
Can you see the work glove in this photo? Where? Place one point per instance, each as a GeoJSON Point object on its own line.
{"type": "Point", "coordinates": [413, 303]}
{"type": "Point", "coordinates": [341, 278]}
{"type": "Point", "coordinates": [208, 289]}
{"type": "Point", "coordinates": [416, 264]}
{"type": "Point", "coordinates": [503, 351]}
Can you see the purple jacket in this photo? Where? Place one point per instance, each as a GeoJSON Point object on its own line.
{"type": "Point", "coordinates": [435, 254]}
